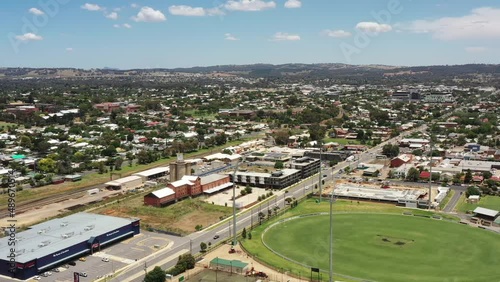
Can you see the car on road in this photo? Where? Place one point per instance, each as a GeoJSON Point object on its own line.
{"type": "Point", "coordinates": [216, 237]}
{"type": "Point", "coordinates": [72, 263]}
{"type": "Point", "coordinates": [82, 259]}
{"type": "Point", "coordinates": [105, 259]}
{"type": "Point", "coordinates": [83, 274]}
{"type": "Point", "coordinates": [37, 277]}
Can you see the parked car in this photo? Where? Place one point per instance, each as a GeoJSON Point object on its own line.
{"type": "Point", "coordinates": [105, 259]}
{"type": "Point", "coordinates": [82, 259]}
{"type": "Point", "coordinates": [72, 263]}
{"type": "Point", "coordinates": [83, 274]}
{"type": "Point", "coordinates": [216, 237]}
{"type": "Point", "coordinates": [37, 277]}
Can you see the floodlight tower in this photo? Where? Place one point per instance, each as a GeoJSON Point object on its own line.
{"type": "Point", "coordinates": [430, 168]}
{"type": "Point", "coordinates": [320, 172]}
{"type": "Point", "coordinates": [235, 239]}
{"type": "Point", "coordinates": [331, 228]}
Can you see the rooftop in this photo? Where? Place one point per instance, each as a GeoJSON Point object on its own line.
{"type": "Point", "coordinates": [153, 171]}
{"type": "Point", "coordinates": [165, 192]}
{"type": "Point", "coordinates": [58, 234]}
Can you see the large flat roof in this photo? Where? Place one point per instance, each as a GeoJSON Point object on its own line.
{"type": "Point", "coordinates": [123, 180]}
{"type": "Point", "coordinates": [377, 193]}
{"type": "Point", "coordinates": [153, 171]}
{"type": "Point", "coordinates": [58, 234]}
{"type": "Point", "coordinates": [487, 212]}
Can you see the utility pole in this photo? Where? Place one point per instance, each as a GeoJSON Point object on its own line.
{"type": "Point", "coordinates": [145, 269]}
{"type": "Point", "coordinates": [190, 246]}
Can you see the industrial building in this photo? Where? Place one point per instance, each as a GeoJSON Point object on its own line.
{"type": "Point", "coordinates": [188, 186]}
{"type": "Point", "coordinates": [125, 183]}
{"type": "Point", "coordinates": [179, 168]}
{"type": "Point", "coordinates": [47, 245]}
{"type": "Point", "coordinates": [153, 173]}
{"type": "Point", "coordinates": [235, 266]}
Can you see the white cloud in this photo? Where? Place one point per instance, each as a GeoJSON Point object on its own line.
{"type": "Point", "coordinates": [117, 9]}
{"type": "Point", "coordinates": [249, 5]}
{"type": "Point", "coordinates": [36, 11]}
{"type": "Point", "coordinates": [29, 37]}
{"type": "Point", "coordinates": [91, 7]}
{"type": "Point", "coordinates": [112, 15]}
{"type": "Point", "coordinates": [373, 27]}
{"type": "Point", "coordinates": [230, 37]}
{"type": "Point", "coordinates": [290, 4]}
{"type": "Point", "coordinates": [476, 49]}
{"type": "Point", "coordinates": [125, 25]}
{"type": "Point", "coordinates": [148, 14]}
{"type": "Point", "coordinates": [133, 5]}
{"type": "Point", "coordinates": [69, 49]}
{"type": "Point", "coordinates": [481, 23]}
{"type": "Point", "coordinates": [183, 10]}
{"type": "Point", "coordinates": [339, 33]}
{"type": "Point", "coordinates": [283, 36]}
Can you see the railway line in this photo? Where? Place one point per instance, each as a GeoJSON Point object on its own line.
{"type": "Point", "coordinates": [25, 206]}
{"type": "Point", "coordinates": [37, 203]}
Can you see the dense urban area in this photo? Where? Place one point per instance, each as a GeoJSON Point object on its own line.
{"type": "Point", "coordinates": [163, 174]}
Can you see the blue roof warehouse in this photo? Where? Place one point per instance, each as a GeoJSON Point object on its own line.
{"type": "Point", "coordinates": [52, 243]}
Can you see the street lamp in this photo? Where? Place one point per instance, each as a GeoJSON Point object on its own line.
{"type": "Point", "coordinates": [331, 230]}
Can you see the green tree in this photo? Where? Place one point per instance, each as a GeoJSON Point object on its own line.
{"type": "Point", "coordinates": [279, 165]}
{"type": "Point", "coordinates": [249, 236]}
{"type": "Point", "coordinates": [413, 174]}
{"type": "Point", "coordinates": [25, 141]}
{"type": "Point", "coordinates": [468, 177]}
{"type": "Point", "coordinates": [472, 190]}
{"type": "Point", "coordinates": [244, 233]}
{"type": "Point", "coordinates": [155, 275]}
{"type": "Point", "coordinates": [47, 165]}
{"type": "Point", "coordinates": [203, 247]}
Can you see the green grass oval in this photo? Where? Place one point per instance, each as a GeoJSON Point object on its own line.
{"type": "Point", "coordinates": [391, 247]}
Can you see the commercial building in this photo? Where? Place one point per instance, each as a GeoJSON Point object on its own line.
{"type": "Point", "coordinates": [46, 245]}
{"type": "Point", "coordinates": [125, 183]}
{"type": "Point", "coordinates": [307, 166]}
{"type": "Point", "coordinates": [276, 180]}
{"type": "Point", "coordinates": [401, 160]}
{"type": "Point", "coordinates": [411, 198]}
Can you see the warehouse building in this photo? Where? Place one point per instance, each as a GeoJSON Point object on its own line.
{"type": "Point", "coordinates": [153, 173]}
{"type": "Point", "coordinates": [47, 245]}
{"type": "Point", "coordinates": [188, 186]}
{"type": "Point", "coordinates": [125, 183]}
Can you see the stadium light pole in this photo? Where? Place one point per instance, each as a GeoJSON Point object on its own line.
{"type": "Point", "coordinates": [430, 167]}
{"type": "Point", "coordinates": [234, 201]}
{"type": "Point", "coordinates": [331, 228]}
{"type": "Point", "coordinates": [320, 159]}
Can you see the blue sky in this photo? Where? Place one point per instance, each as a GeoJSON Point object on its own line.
{"type": "Point", "coordinates": [183, 33]}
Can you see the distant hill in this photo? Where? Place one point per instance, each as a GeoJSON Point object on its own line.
{"type": "Point", "coordinates": [343, 72]}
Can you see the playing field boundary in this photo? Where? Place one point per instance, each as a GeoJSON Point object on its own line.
{"type": "Point", "coordinates": [299, 263]}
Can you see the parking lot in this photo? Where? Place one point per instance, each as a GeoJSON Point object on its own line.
{"type": "Point", "coordinates": [112, 258]}
{"type": "Point", "coordinates": [224, 197]}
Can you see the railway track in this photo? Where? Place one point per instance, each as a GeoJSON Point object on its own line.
{"type": "Point", "coordinates": [37, 203]}
{"type": "Point", "coordinates": [25, 206]}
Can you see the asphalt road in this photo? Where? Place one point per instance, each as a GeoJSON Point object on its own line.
{"type": "Point", "coordinates": [167, 258]}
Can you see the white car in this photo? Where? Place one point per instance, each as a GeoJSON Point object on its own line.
{"type": "Point", "coordinates": [37, 277]}
{"type": "Point", "coordinates": [105, 259]}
